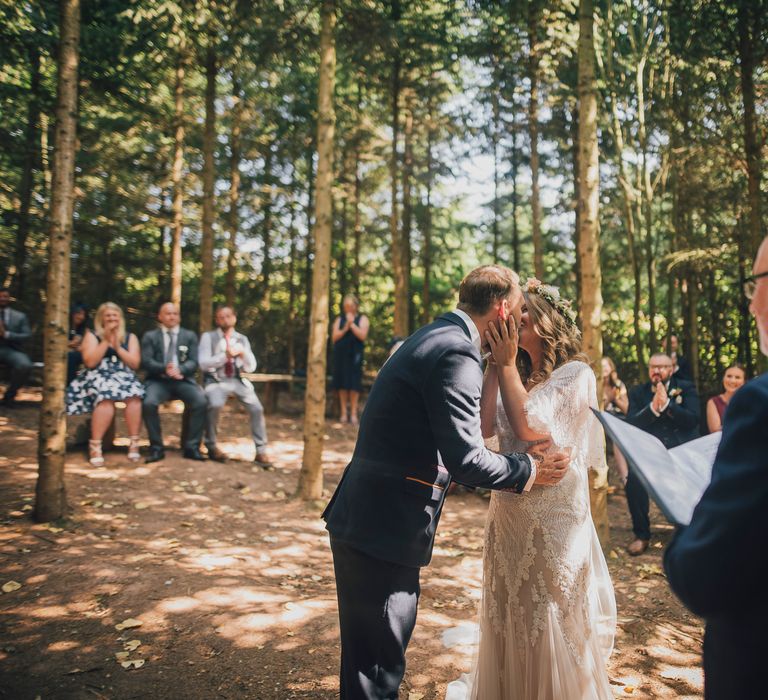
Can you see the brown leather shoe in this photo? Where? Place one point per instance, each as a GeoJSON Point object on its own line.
{"type": "Point", "coordinates": [217, 455]}
{"type": "Point", "coordinates": [637, 547]}
{"type": "Point", "coordinates": [262, 460]}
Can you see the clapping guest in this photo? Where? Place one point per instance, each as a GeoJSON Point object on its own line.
{"type": "Point", "coordinates": [78, 325]}
{"type": "Point", "coordinates": [14, 332]}
{"type": "Point", "coordinates": [733, 379]}
{"type": "Point", "coordinates": [111, 356]}
{"type": "Point", "coordinates": [169, 355]}
{"type": "Point", "coordinates": [224, 354]}
{"type": "Point", "coordinates": [350, 329]}
{"type": "Point", "coordinates": [615, 402]}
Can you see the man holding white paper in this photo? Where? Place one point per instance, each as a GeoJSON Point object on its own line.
{"type": "Point", "coordinates": [718, 565]}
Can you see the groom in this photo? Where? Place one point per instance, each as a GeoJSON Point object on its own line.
{"type": "Point", "coordinates": [420, 428]}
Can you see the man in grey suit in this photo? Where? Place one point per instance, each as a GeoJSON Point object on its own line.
{"type": "Point", "coordinates": [420, 428]}
{"type": "Point", "coordinates": [169, 356]}
{"type": "Point", "coordinates": [224, 354]}
{"type": "Point", "coordinates": [14, 331]}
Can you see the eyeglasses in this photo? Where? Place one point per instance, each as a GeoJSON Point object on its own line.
{"type": "Point", "coordinates": [750, 284]}
{"type": "Point", "coordinates": [659, 366]}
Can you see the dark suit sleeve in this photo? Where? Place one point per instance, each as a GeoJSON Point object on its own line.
{"type": "Point", "coordinates": [189, 367]}
{"type": "Point", "coordinates": [149, 362]}
{"type": "Point", "coordinates": [719, 563]}
{"type": "Point", "coordinates": [686, 414]}
{"type": "Point", "coordinates": [452, 393]}
{"type": "Point", "coordinates": [639, 412]}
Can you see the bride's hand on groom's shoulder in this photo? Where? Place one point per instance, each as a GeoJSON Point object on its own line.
{"type": "Point", "coordinates": [551, 468]}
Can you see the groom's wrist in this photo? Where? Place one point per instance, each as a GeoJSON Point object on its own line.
{"type": "Point", "coordinates": [532, 477]}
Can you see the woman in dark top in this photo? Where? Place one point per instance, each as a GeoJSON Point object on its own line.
{"type": "Point", "coordinates": [733, 379]}
{"type": "Point", "coordinates": [349, 332]}
{"type": "Point", "coordinates": [78, 324]}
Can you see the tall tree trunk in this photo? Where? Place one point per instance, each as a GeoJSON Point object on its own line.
{"type": "Point", "coordinates": [31, 160]}
{"type": "Point", "coordinates": [266, 232]}
{"type": "Point", "coordinates": [495, 136]}
{"type": "Point", "coordinates": [515, 167]}
{"type": "Point", "coordinates": [408, 205]}
{"type": "Point", "coordinates": [291, 330]}
{"type": "Point", "coordinates": [230, 291]}
{"type": "Point", "coordinates": [310, 485]}
{"type": "Point", "coordinates": [176, 178]}
{"type": "Point", "coordinates": [399, 269]}
{"type": "Point", "coordinates": [357, 233]}
{"type": "Point", "coordinates": [426, 249]}
{"type": "Point", "coordinates": [534, 15]}
{"type": "Point", "coordinates": [209, 175]}
{"type": "Point", "coordinates": [50, 493]}
{"type": "Point", "coordinates": [751, 143]}
{"type": "Point", "coordinates": [575, 155]}
{"type": "Point", "coordinates": [308, 250]}
{"type": "Point", "coordinates": [590, 291]}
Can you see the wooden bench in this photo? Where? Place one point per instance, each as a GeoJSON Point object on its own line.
{"type": "Point", "coordinates": [272, 384]}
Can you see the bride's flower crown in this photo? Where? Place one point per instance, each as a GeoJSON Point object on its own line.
{"type": "Point", "coordinates": [552, 296]}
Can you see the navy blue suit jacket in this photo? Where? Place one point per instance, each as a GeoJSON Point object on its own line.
{"type": "Point", "coordinates": [718, 565]}
{"type": "Point", "coordinates": [678, 424]}
{"type": "Point", "coordinates": [425, 399]}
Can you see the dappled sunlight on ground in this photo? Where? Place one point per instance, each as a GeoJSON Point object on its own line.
{"type": "Point", "coordinates": [222, 584]}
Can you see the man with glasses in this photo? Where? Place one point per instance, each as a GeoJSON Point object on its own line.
{"type": "Point", "coordinates": [718, 565]}
{"type": "Point", "coordinates": [667, 408]}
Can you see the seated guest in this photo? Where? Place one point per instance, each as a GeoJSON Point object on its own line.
{"type": "Point", "coordinates": [734, 378]}
{"type": "Point", "coordinates": [78, 325]}
{"type": "Point", "coordinates": [111, 357]}
{"type": "Point", "coordinates": [169, 356]}
{"type": "Point", "coordinates": [14, 331]}
{"type": "Point", "coordinates": [224, 354]}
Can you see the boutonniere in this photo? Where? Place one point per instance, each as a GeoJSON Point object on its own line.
{"type": "Point", "coordinates": [183, 352]}
{"type": "Point", "coordinates": [677, 395]}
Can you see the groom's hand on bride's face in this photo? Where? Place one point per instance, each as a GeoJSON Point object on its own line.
{"type": "Point", "coordinates": [551, 468]}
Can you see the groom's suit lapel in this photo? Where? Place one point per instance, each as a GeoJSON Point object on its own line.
{"type": "Point", "coordinates": [456, 320]}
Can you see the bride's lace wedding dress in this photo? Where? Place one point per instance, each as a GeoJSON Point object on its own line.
{"type": "Point", "coordinates": [548, 611]}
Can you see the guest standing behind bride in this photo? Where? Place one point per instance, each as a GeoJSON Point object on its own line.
{"type": "Point", "coordinates": [548, 612]}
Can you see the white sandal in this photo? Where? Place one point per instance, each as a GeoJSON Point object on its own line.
{"type": "Point", "coordinates": [95, 456]}
{"type": "Point", "coordinates": [133, 449]}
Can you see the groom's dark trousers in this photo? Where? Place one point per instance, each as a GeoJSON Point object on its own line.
{"type": "Point", "coordinates": [420, 428]}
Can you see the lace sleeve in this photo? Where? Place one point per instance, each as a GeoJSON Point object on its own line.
{"type": "Point", "coordinates": [561, 406]}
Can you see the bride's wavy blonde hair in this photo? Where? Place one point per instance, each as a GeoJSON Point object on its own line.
{"type": "Point", "coordinates": [560, 340]}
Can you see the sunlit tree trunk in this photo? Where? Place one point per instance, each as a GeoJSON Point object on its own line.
{"type": "Point", "coordinates": [426, 249]}
{"type": "Point", "coordinates": [357, 233]}
{"type": "Point", "coordinates": [291, 330]}
{"type": "Point", "coordinates": [495, 136]}
{"type": "Point", "coordinates": [50, 494]}
{"type": "Point", "coordinates": [209, 175]}
{"type": "Point", "coordinates": [590, 292]}
{"type": "Point", "coordinates": [230, 291]}
{"type": "Point", "coordinates": [746, 27]}
{"type": "Point", "coordinates": [266, 233]}
{"type": "Point", "coordinates": [177, 172]}
{"type": "Point", "coordinates": [534, 15]}
{"type": "Point", "coordinates": [399, 260]}
{"type": "Point", "coordinates": [31, 159]}
{"type": "Point", "coordinates": [408, 203]}
{"type": "Point", "coordinates": [311, 477]}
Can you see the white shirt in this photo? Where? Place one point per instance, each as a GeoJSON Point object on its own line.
{"type": "Point", "coordinates": [477, 341]}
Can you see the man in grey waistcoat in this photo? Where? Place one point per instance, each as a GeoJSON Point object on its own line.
{"type": "Point", "coordinates": [223, 356]}
{"type": "Point", "coordinates": [14, 332]}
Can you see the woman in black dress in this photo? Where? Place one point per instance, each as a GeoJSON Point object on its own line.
{"type": "Point", "coordinates": [350, 329]}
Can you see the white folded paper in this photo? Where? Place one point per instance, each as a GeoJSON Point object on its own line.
{"type": "Point", "coordinates": [675, 479]}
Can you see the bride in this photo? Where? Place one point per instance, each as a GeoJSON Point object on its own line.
{"type": "Point", "coordinates": [548, 612]}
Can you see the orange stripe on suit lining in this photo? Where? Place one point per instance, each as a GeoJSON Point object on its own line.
{"type": "Point", "coordinates": [426, 483]}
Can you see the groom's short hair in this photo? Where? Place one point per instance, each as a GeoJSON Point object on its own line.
{"type": "Point", "coordinates": [484, 286]}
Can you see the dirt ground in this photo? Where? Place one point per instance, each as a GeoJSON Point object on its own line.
{"type": "Point", "coordinates": [229, 583]}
